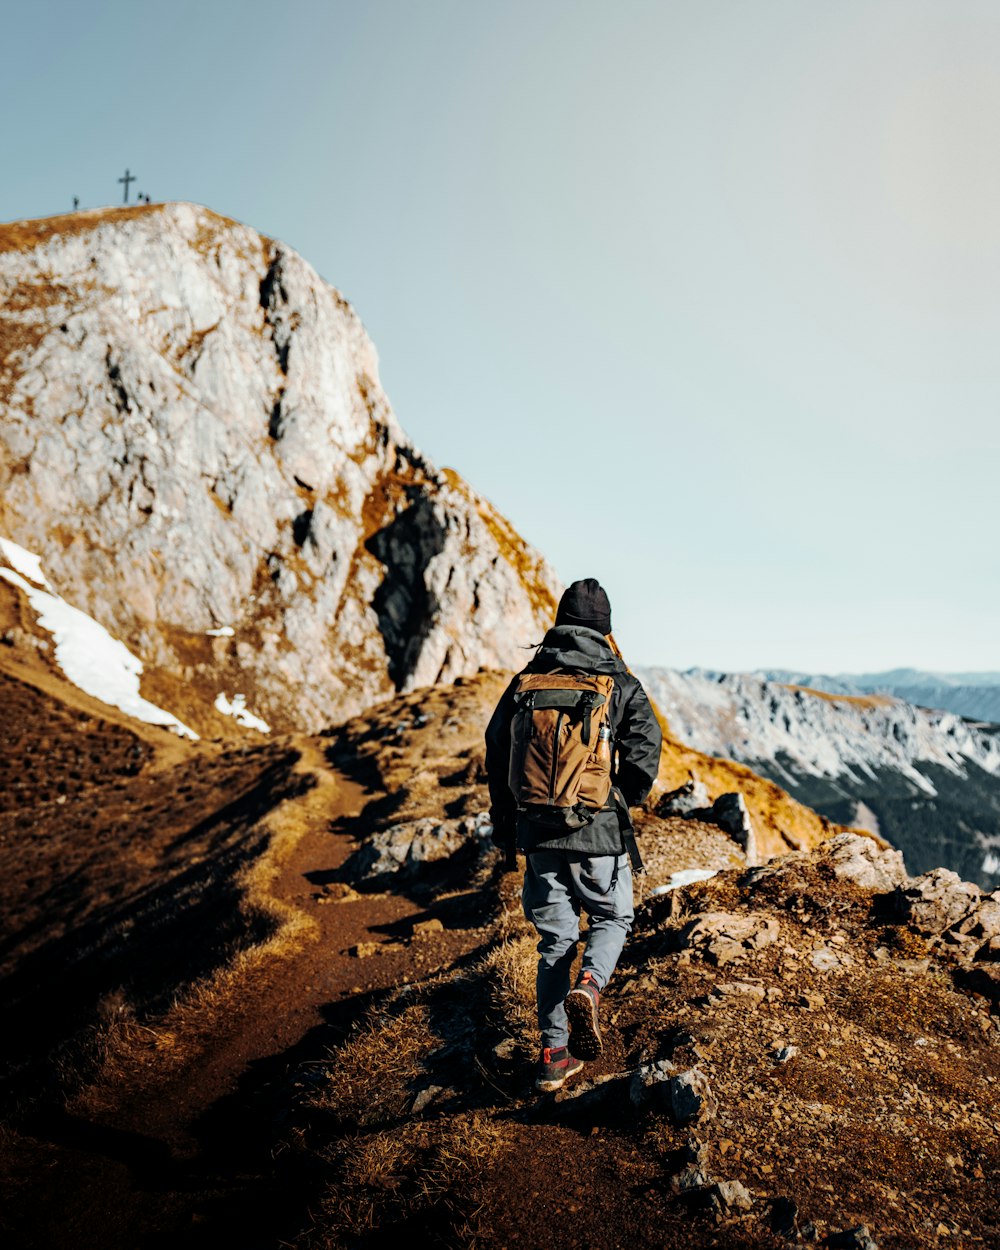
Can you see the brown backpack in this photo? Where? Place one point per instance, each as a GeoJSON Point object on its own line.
{"type": "Point", "coordinates": [560, 749]}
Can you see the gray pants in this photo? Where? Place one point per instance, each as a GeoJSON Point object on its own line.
{"type": "Point", "coordinates": [557, 884]}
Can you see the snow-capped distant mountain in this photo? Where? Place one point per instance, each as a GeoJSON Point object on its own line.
{"type": "Point", "coordinates": [974, 695]}
{"type": "Point", "coordinates": [928, 781]}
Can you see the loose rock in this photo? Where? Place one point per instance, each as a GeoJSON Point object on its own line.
{"type": "Point", "coordinates": [691, 1097]}
{"type": "Point", "coordinates": [425, 1097]}
{"type": "Point", "coordinates": [744, 992]}
{"type": "Point", "coordinates": [858, 1238]}
{"type": "Point", "coordinates": [650, 1083]}
{"type": "Point", "coordinates": [825, 960]}
{"type": "Point", "coordinates": [729, 1197]}
{"type": "Point", "coordinates": [725, 938]}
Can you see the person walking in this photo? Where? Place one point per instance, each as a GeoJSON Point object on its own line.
{"type": "Point", "coordinates": [572, 744]}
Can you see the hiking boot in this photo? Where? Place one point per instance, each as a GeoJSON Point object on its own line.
{"type": "Point", "coordinates": [581, 1006]}
{"type": "Point", "coordinates": [555, 1068]}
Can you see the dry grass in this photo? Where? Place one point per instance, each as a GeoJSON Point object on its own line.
{"type": "Point", "coordinates": [373, 1171]}
{"type": "Point", "coordinates": [398, 1172]}
{"type": "Point", "coordinates": [858, 700]}
{"type": "Point", "coordinates": [464, 1153]}
{"type": "Point", "coordinates": [370, 1076]}
{"type": "Point", "coordinates": [21, 236]}
{"type": "Point", "coordinates": [509, 972]}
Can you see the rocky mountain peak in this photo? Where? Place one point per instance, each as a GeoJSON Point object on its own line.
{"type": "Point", "coordinates": [195, 439]}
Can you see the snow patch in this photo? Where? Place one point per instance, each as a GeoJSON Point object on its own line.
{"type": "Point", "coordinates": [686, 876]}
{"type": "Point", "coordinates": [24, 562]}
{"type": "Point", "coordinates": [91, 659]}
{"type": "Point", "coordinates": [237, 708]}
{"type": "Point", "coordinates": [991, 863]}
{"type": "Point", "coordinates": [224, 631]}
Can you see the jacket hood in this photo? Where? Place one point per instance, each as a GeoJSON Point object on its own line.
{"type": "Point", "coordinates": [575, 646]}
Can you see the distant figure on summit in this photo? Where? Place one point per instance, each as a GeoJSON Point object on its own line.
{"type": "Point", "coordinates": [571, 746]}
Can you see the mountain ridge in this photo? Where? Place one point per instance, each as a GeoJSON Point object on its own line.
{"type": "Point", "coordinates": [928, 780]}
{"type": "Point", "coordinates": [973, 695]}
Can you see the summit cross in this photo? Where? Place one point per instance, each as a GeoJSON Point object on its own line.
{"type": "Point", "coordinates": [127, 179]}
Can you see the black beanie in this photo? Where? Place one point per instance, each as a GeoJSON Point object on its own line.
{"type": "Point", "coordinates": [585, 603]}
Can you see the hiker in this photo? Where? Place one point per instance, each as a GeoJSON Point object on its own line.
{"type": "Point", "coordinates": [571, 746]}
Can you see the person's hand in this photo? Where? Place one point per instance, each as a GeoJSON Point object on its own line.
{"type": "Point", "coordinates": [503, 831]}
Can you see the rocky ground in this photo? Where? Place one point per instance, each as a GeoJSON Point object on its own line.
{"type": "Point", "coordinates": [795, 1052]}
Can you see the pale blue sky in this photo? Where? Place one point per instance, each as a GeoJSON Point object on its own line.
{"type": "Point", "coordinates": [704, 296]}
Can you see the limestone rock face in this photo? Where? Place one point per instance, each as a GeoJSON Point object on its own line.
{"type": "Point", "coordinates": [193, 437]}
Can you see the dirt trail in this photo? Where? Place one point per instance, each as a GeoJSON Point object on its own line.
{"type": "Point", "coordinates": [188, 1160]}
{"type": "Point", "coordinates": [289, 996]}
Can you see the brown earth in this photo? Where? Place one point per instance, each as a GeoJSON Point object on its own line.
{"type": "Point", "coordinates": [221, 1033]}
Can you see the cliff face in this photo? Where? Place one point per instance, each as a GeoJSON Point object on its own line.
{"type": "Point", "coordinates": [193, 438]}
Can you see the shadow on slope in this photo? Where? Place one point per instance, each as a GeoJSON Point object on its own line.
{"type": "Point", "coordinates": [121, 879]}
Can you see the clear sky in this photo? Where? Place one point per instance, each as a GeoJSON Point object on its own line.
{"type": "Point", "coordinates": [704, 295]}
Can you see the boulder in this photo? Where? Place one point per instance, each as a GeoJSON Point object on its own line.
{"type": "Point", "coordinates": [983, 923]}
{"type": "Point", "coordinates": [690, 797]}
{"type": "Point", "coordinates": [861, 860]}
{"type": "Point", "coordinates": [937, 901]}
{"type": "Point", "coordinates": [730, 813]}
{"type": "Point", "coordinates": [407, 846]}
{"type": "Point", "coordinates": [990, 951]}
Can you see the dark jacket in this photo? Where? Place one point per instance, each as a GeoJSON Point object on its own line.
{"type": "Point", "coordinates": [635, 734]}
